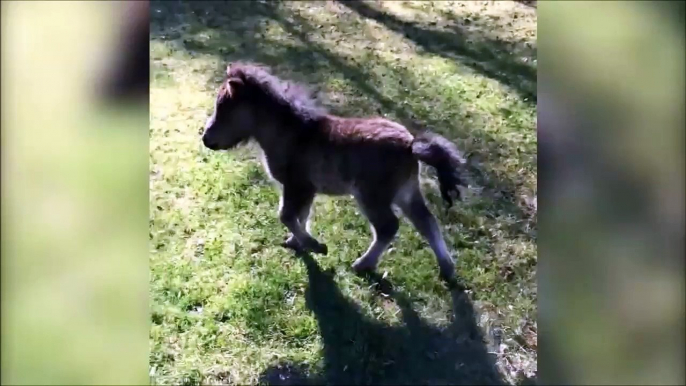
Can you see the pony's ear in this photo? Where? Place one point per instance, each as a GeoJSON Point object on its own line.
{"type": "Point", "coordinates": [235, 82]}
{"type": "Point", "coordinates": [228, 69]}
{"type": "Point", "coordinates": [231, 86]}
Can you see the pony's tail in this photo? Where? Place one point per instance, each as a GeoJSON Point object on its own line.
{"type": "Point", "coordinates": [444, 156]}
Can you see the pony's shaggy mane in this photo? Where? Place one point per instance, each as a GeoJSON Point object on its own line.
{"type": "Point", "coordinates": [295, 97]}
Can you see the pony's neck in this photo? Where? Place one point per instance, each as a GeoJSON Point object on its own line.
{"type": "Point", "coordinates": [279, 126]}
{"type": "Point", "coordinates": [271, 132]}
{"type": "Point", "coordinates": [267, 137]}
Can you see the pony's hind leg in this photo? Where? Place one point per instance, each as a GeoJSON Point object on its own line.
{"type": "Point", "coordinates": [293, 212]}
{"type": "Point", "coordinates": [384, 224]}
{"type": "Point", "coordinates": [413, 206]}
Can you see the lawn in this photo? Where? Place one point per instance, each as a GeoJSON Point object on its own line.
{"type": "Point", "coordinates": [229, 305]}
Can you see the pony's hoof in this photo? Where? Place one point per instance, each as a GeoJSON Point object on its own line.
{"type": "Point", "coordinates": [452, 281]}
{"type": "Point", "coordinates": [446, 270]}
{"type": "Point", "coordinates": [362, 266]}
{"type": "Point", "coordinates": [447, 273]}
{"type": "Point", "coordinates": [456, 285]}
{"type": "Point", "coordinates": [317, 247]}
{"type": "Point", "coordinates": [292, 243]}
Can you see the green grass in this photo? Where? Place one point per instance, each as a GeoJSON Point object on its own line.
{"type": "Point", "coordinates": [231, 306]}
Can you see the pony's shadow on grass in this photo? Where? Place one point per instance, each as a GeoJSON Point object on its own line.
{"type": "Point", "coordinates": [360, 350]}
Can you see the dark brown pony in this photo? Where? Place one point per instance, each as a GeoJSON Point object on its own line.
{"type": "Point", "coordinates": [308, 151]}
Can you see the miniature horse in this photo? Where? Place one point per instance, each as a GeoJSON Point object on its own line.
{"type": "Point", "coordinates": [308, 151]}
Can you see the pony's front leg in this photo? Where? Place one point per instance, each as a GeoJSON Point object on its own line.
{"type": "Point", "coordinates": [294, 210]}
{"type": "Point", "coordinates": [303, 218]}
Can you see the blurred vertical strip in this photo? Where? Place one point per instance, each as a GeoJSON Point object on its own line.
{"type": "Point", "coordinates": [611, 220]}
{"type": "Point", "coordinates": [75, 192]}
{"type": "Point", "coordinates": [127, 75]}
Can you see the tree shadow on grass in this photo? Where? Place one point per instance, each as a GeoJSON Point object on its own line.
{"type": "Point", "coordinates": [529, 3]}
{"type": "Point", "coordinates": [491, 57]}
{"type": "Point", "coordinates": [358, 350]}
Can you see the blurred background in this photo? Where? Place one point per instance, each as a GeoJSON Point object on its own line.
{"type": "Point", "coordinates": [611, 177]}
{"type": "Point", "coordinates": [75, 192]}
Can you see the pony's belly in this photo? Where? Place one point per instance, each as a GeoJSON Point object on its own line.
{"type": "Point", "coordinates": [333, 187]}
{"type": "Point", "coordinates": [327, 179]}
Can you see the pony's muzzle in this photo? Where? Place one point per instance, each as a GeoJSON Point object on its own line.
{"type": "Point", "coordinates": [209, 144]}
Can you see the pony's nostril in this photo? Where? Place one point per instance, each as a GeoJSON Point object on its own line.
{"type": "Point", "coordinates": [201, 130]}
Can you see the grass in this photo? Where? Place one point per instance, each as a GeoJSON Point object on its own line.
{"type": "Point", "coordinates": [231, 306]}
